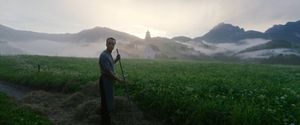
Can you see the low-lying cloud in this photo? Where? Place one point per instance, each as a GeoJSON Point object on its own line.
{"type": "Point", "coordinates": [223, 48]}
{"type": "Point", "coordinates": [54, 48]}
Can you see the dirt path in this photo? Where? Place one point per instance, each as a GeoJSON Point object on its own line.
{"type": "Point", "coordinates": [80, 108]}
{"type": "Point", "coordinates": [13, 90]}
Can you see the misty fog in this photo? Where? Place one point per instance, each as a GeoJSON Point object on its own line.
{"type": "Point", "coordinates": [215, 48]}
{"type": "Point", "coordinates": [54, 48]}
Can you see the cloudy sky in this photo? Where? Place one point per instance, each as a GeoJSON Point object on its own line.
{"type": "Point", "coordinates": [167, 18]}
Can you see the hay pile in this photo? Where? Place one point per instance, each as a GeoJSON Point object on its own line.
{"type": "Point", "coordinates": [82, 108]}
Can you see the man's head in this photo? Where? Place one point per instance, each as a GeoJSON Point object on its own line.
{"type": "Point", "coordinates": [110, 44]}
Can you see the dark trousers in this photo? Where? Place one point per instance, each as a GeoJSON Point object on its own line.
{"type": "Point", "coordinates": [105, 116]}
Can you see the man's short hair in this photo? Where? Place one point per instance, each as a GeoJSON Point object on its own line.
{"type": "Point", "coordinates": [110, 39]}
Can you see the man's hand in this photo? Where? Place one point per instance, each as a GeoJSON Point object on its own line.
{"type": "Point", "coordinates": [121, 80]}
{"type": "Point", "coordinates": [118, 57]}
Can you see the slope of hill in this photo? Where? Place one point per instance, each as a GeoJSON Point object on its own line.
{"type": "Point", "coordinates": [182, 38]}
{"type": "Point", "coordinates": [290, 32]}
{"type": "Point", "coordinates": [89, 35]}
{"type": "Point", "coordinates": [10, 34]}
{"type": "Point", "coordinates": [227, 33]}
{"type": "Point", "coordinates": [98, 33]}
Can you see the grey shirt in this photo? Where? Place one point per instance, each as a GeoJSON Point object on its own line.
{"type": "Point", "coordinates": [106, 64]}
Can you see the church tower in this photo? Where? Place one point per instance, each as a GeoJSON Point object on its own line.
{"type": "Point", "coordinates": [148, 36]}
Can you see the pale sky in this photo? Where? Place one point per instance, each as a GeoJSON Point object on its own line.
{"type": "Point", "coordinates": [167, 18]}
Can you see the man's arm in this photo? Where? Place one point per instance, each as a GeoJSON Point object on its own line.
{"type": "Point", "coordinates": [112, 75]}
{"type": "Point", "coordinates": [107, 71]}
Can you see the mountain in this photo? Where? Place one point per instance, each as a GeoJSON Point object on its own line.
{"type": "Point", "coordinates": [232, 41]}
{"type": "Point", "coordinates": [224, 41]}
{"type": "Point", "coordinates": [181, 38]}
{"type": "Point", "coordinates": [9, 34]}
{"type": "Point", "coordinates": [86, 43]}
{"type": "Point", "coordinates": [97, 33]}
{"type": "Point", "coordinates": [89, 43]}
{"type": "Point", "coordinates": [290, 32]}
{"type": "Point", "coordinates": [89, 35]}
{"type": "Point", "coordinates": [227, 33]}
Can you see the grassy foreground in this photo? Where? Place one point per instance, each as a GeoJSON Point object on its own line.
{"type": "Point", "coordinates": [179, 92]}
{"type": "Point", "coordinates": [12, 114]}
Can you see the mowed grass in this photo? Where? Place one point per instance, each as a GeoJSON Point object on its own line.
{"type": "Point", "coordinates": [12, 114]}
{"type": "Point", "coordinates": [179, 92]}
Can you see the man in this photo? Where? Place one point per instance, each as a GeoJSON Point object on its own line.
{"type": "Point", "coordinates": [107, 79]}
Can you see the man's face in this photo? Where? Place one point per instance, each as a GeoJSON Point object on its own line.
{"type": "Point", "coordinates": [110, 45]}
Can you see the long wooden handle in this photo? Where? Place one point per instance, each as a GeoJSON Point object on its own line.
{"type": "Point", "coordinates": [121, 66]}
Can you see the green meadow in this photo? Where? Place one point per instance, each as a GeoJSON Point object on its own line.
{"type": "Point", "coordinates": [176, 91]}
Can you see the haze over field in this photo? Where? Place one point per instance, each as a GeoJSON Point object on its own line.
{"type": "Point", "coordinates": [193, 29]}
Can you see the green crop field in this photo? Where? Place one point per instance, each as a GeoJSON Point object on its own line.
{"type": "Point", "coordinates": [178, 92]}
